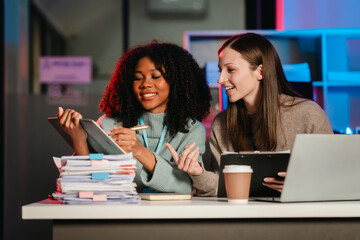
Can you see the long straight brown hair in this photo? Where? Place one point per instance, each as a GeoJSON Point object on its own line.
{"type": "Point", "coordinates": [257, 50]}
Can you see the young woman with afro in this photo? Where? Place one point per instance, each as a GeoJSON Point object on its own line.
{"type": "Point", "coordinates": [162, 86]}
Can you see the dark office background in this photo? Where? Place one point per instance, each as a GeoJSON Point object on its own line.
{"type": "Point", "coordinates": [27, 170]}
{"type": "Point", "coordinates": [2, 111]}
{"type": "Point", "coordinates": [28, 142]}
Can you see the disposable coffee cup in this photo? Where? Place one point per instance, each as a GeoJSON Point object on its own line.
{"type": "Point", "coordinates": [237, 182]}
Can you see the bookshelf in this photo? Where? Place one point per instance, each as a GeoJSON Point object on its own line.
{"type": "Point", "coordinates": [333, 56]}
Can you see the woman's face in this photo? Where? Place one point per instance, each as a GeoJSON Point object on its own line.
{"type": "Point", "coordinates": [238, 79]}
{"type": "Point", "coordinates": [150, 87]}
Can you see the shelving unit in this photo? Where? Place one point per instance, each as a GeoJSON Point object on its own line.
{"type": "Point", "coordinates": [333, 56]}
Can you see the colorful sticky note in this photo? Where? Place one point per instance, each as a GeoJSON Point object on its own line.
{"type": "Point", "coordinates": [99, 198]}
{"type": "Point", "coordinates": [96, 156]}
{"type": "Point", "coordinates": [99, 163]}
{"type": "Point", "coordinates": [126, 171]}
{"type": "Point", "coordinates": [100, 176]}
{"type": "Point", "coordinates": [86, 194]}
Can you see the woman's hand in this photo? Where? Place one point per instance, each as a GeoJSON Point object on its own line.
{"type": "Point", "coordinates": [275, 183]}
{"type": "Point", "coordinates": [69, 121]}
{"type": "Point", "coordinates": [187, 161]}
{"type": "Point", "coordinates": [126, 139]}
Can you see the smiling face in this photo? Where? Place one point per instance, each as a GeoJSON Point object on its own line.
{"type": "Point", "coordinates": [150, 87]}
{"type": "Point", "coordinates": [238, 79]}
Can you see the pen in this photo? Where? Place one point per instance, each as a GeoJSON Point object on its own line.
{"type": "Point", "coordinates": [136, 128]}
{"type": "Point", "coordinates": [139, 127]}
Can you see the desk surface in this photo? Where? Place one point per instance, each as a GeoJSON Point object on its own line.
{"type": "Point", "coordinates": [197, 208]}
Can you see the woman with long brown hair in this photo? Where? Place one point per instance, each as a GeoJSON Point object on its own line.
{"type": "Point", "coordinates": [264, 113]}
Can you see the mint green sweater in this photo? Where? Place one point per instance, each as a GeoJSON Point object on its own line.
{"type": "Point", "coordinates": [166, 177]}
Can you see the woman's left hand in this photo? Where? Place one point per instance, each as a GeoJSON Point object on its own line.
{"type": "Point", "coordinates": [187, 161]}
{"type": "Point", "coordinates": [126, 139]}
{"type": "Point", "coordinates": [275, 183]}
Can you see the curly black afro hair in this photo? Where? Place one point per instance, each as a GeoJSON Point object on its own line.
{"type": "Point", "coordinates": [189, 96]}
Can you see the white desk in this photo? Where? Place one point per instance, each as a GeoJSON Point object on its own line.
{"type": "Point", "coordinates": [200, 218]}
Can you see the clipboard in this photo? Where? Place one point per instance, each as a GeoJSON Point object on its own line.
{"type": "Point", "coordinates": [264, 164]}
{"type": "Point", "coordinates": [98, 140]}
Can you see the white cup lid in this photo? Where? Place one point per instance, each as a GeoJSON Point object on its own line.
{"type": "Point", "coordinates": [237, 169]}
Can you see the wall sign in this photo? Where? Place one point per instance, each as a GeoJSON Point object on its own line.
{"type": "Point", "coordinates": [65, 70]}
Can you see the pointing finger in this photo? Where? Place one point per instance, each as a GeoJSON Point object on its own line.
{"type": "Point", "coordinates": [190, 157]}
{"type": "Point", "coordinates": [187, 149]}
{"type": "Point", "coordinates": [173, 153]}
{"type": "Point", "coordinates": [185, 155]}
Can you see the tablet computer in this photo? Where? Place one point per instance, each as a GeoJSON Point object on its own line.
{"type": "Point", "coordinates": [263, 164]}
{"type": "Point", "coordinates": [98, 140]}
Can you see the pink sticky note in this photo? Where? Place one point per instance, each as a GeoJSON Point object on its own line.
{"type": "Point", "coordinates": [86, 194]}
{"type": "Point", "coordinates": [99, 163]}
{"type": "Point", "coordinates": [99, 198]}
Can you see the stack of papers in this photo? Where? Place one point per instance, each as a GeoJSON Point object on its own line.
{"type": "Point", "coordinates": [96, 178]}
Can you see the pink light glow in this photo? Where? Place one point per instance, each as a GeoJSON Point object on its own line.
{"type": "Point", "coordinates": [279, 12]}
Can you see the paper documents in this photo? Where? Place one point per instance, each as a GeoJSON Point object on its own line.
{"type": "Point", "coordinates": [96, 178]}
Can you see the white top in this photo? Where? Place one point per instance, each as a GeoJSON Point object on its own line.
{"type": "Point", "coordinates": [197, 208]}
{"type": "Point", "coordinates": [237, 169]}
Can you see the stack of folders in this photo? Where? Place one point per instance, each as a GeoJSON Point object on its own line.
{"type": "Point", "coordinates": [96, 178]}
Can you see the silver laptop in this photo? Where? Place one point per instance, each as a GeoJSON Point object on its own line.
{"type": "Point", "coordinates": [322, 167]}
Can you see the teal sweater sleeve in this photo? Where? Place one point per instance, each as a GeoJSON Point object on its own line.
{"type": "Point", "coordinates": [166, 177]}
